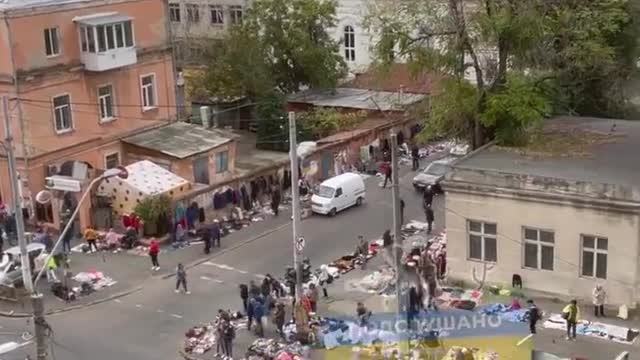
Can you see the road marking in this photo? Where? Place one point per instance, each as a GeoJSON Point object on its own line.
{"type": "Point", "coordinates": [242, 271]}
{"type": "Point", "coordinates": [138, 306]}
{"type": "Point", "coordinates": [160, 310]}
{"type": "Point", "coordinates": [176, 316]}
{"type": "Point", "coordinates": [118, 301]}
{"type": "Point", "coordinates": [206, 278]}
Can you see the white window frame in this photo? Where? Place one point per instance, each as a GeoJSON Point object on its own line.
{"type": "Point", "coordinates": [108, 154]}
{"type": "Point", "coordinates": [154, 92]}
{"type": "Point", "coordinates": [113, 106]}
{"type": "Point", "coordinates": [349, 43]}
{"type": "Point", "coordinates": [55, 111]}
{"type": "Point", "coordinates": [193, 17]}
{"type": "Point", "coordinates": [234, 10]}
{"type": "Point", "coordinates": [218, 11]}
{"type": "Point", "coordinates": [175, 13]}
{"type": "Point", "coordinates": [51, 41]}
{"type": "Point", "coordinates": [595, 252]}
{"type": "Point", "coordinates": [218, 171]}
{"type": "Point", "coordinates": [482, 236]}
{"type": "Point", "coordinates": [539, 245]}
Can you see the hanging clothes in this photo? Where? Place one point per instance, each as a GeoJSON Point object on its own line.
{"type": "Point", "coordinates": [191, 214]}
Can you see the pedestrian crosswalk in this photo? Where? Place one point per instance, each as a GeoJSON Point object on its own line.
{"type": "Point", "coordinates": [232, 269]}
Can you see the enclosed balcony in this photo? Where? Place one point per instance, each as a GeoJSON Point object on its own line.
{"type": "Point", "coordinates": [106, 41]}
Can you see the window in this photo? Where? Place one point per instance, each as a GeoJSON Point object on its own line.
{"type": "Point", "coordinates": [105, 99]}
{"type": "Point", "coordinates": [111, 160]}
{"type": "Point", "coordinates": [594, 256]}
{"type": "Point", "coordinates": [110, 37]}
{"type": "Point", "coordinates": [538, 249]}
{"type": "Point", "coordinates": [482, 241]}
{"type": "Point", "coordinates": [193, 13]}
{"type": "Point", "coordinates": [349, 43]}
{"type": "Point", "coordinates": [62, 113]}
{"type": "Point", "coordinates": [217, 14]}
{"type": "Point", "coordinates": [147, 84]}
{"type": "Point", "coordinates": [87, 39]}
{"type": "Point", "coordinates": [236, 14]}
{"type": "Point", "coordinates": [338, 192]}
{"type": "Point", "coordinates": [174, 12]}
{"type": "Point", "coordinates": [51, 45]}
{"type": "Point", "coordinates": [222, 162]}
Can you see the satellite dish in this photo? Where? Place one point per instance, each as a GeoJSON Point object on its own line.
{"type": "Point", "coordinates": [44, 197]}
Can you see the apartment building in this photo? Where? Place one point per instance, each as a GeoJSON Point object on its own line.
{"type": "Point", "coordinates": [81, 75]}
{"type": "Point", "coordinates": [195, 22]}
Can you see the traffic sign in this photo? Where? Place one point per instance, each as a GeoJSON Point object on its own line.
{"type": "Point", "coordinates": [300, 243]}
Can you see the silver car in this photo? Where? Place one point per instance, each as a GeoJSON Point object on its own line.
{"type": "Point", "coordinates": [433, 174]}
{"type": "Point", "coordinates": [10, 266]}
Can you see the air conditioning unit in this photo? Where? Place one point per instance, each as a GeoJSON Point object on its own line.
{"type": "Point", "coordinates": [52, 169]}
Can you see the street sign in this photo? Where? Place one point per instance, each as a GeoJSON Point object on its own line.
{"type": "Point", "coordinates": [300, 244]}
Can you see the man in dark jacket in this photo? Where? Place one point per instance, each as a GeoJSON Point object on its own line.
{"type": "Point", "coordinates": [427, 196]}
{"type": "Point", "coordinates": [534, 316]}
{"type": "Point", "coordinates": [429, 217]}
{"type": "Point", "coordinates": [415, 157]}
{"type": "Point", "coordinates": [205, 233]}
{"type": "Point", "coordinates": [215, 233]}
{"type": "Point", "coordinates": [275, 200]}
{"type": "Point", "coordinates": [244, 295]}
{"type": "Point", "coordinates": [279, 318]}
{"type": "Point", "coordinates": [401, 211]}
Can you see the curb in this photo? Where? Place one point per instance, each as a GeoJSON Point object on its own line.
{"type": "Point", "coordinates": [16, 315]}
{"type": "Point", "coordinates": [224, 251]}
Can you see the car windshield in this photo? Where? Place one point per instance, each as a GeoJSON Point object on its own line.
{"type": "Point", "coordinates": [436, 169]}
{"type": "Point", "coordinates": [325, 192]}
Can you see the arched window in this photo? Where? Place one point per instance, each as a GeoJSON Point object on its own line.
{"type": "Point", "coordinates": [349, 43]}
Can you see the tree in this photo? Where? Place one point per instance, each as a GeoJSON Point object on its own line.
{"type": "Point", "coordinates": [506, 46]}
{"type": "Point", "coordinates": [322, 122]}
{"type": "Point", "coordinates": [282, 45]}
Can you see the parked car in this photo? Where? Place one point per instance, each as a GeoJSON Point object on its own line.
{"type": "Point", "coordinates": [11, 267]}
{"type": "Point", "coordinates": [338, 193]}
{"type": "Point", "coordinates": [433, 174]}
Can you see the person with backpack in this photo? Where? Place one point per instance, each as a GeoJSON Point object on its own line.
{"type": "Point", "coordinates": [181, 279]}
{"type": "Point", "coordinates": [571, 313]}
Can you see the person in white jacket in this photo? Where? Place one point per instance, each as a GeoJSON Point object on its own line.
{"type": "Point", "coordinates": [599, 297]}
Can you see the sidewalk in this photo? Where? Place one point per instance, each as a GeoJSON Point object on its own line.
{"type": "Point", "coordinates": [131, 272]}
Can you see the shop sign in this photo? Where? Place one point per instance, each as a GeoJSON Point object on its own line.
{"type": "Point", "coordinates": [62, 183]}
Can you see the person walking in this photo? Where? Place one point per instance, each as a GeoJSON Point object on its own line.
{"type": "Point", "coordinates": [429, 217]}
{"type": "Point", "coordinates": [362, 251]}
{"type": "Point", "coordinates": [258, 314]}
{"type": "Point", "coordinates": [279, 318]}
{"type": "Point", "coordinates": [216, 233]}
{"type": "Point", "coordinates": [415, 157]}
{"type": "Point", "coordinates": [244, 295]}
{"type": "Point", "coordinates": [250, 312]}
{"type": "Point", "coordinates": [534, 316]}
{"type": "Point", "coordinates": [51, 267]}
{"type": "Point", "coordinates": [313, 297]}
{"type": "Point", "coordinates": [275, 200]}
{"type": "Point", "coordinates": [363, 314]}
{"type": "Point", "coordinates": [91, 236]}
{"type": "Point", "coordinates": [387, 243]}
{"type": "Point", "coordinates": [181, 279]}
{"type": "Point", "coordinates": [599, 297]}
{"type": "Point", "coordinates": [401, 212]}
{"type": "Point", "coordinates": [205, 234]}
{"type": "Point", "coordinates": [387, 175]}
{"type": "Point", "coordinates": [324, 279]}
{"type": "Point", "coordinates": [154, 249]}
{"type": "Point", "coordinates": [427, 196]}
{"type": "Point", "coordinates": [571, 314]}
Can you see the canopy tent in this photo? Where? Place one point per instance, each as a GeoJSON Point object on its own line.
{"type": "Point", "coordinates": [145, 179]}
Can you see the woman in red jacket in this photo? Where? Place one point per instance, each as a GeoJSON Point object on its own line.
{"type": "Point", "coordinates": [154, 249]}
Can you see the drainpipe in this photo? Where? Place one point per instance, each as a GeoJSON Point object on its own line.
{"type": "Point", "coordinates": [25, 148]}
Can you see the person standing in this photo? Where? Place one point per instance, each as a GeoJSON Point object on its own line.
{"type": "Point", "coordinates": [534, 316]}
{"type": "Point", "coordinates": [254, 290]}
{"type": "Point", "coordinates": [427, 196]}
{"type": "Point", "coordinates": [324, 279]}
{"type": "Point", "coordinates": [91, 236]}
{"type": "Point", "coordinates": [244, 295]}
{"type": "Point", "coordinates": [363, 314]}
{"type": "Point", "coordinates": [228, 334]}
{"type": "Point", "coordinates": [599, 297]}
{"type": "Point", "coordinates": [258, 313]}
{"type": "Point", "coordinates": [250, 312]}
{"type": "Point", "coordinates": [415, 156]}
{"type": "Point", "coordinates": [51, 270]}
{"type": "Point", "coordinates": [313, 297]}
{"type": "Point", "coordinates": [66, 239]}
{"type": "Point", "coordinates": [181, 279]}
{"type": "Point", "coordinates": [571, 313]}
{"type": "Point", "coordinates": [362, 251]}
{"type": "Point", "coordinates": [387, 243]}
{"type": "Point", "coordinates": [154, 250]}
{"type": "Point", "coordinates": [205, 233]}
{"type": "Point", "coordinates": [279, 318]}
{"type": "Point", "coordinates": [216, 233]}
{"type": "Point", "coordinates": [429, 217]}
{"type": "Point", "coordinates": [275, 200]}
{"type": "Point", "coordinates": [401, 212]}
{"type": "Point", "coordinates": [387, 175]}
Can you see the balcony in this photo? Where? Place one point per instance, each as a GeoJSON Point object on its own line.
{"type": "Point", "coordinates": [106, 41]}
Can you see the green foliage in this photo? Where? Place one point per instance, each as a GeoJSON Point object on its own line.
{"type": "Point", "coordinates": [151, 208]}
{"type": "Point", "coordinates": [281, 45]}
{"type": "Point", "coordinates": [322, 122]}
{"type": "Point", "coordinates": [273, 129]}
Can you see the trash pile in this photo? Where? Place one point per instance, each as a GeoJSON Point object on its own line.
{"type": "Point", "coordinates": [376, 282]}
{"type": "Point", "coordinates": [92, 281]}
{"type": "Point", "coordinates": [273, 349]}
{"type": "Point", "coordinates": [615, 333]}
{"type": "Point", "coordinates": [506, 312]}
{"type": "Point", "coordinates": [200, 339]}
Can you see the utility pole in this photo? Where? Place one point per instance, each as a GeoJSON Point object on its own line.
{"type": "Point", "coordinates": [397, 224]}
{"type": "Point", "coordinates": [17, 204]}
{"type": "Point", "coordinates": [295, 202]}
{"type": "Point", "coordinates": [36, 299]}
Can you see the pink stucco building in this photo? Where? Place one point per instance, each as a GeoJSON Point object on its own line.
{"type": "Point", "coordinates": [81, 75]}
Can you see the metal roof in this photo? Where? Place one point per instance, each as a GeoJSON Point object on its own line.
{"type": "Point", "coordinates": [180, 140]}
{"type": "Point", "coordinates": [101, 18]}
{"type": "Point", "coordinates": [357, 99]}
{"type": "Point", "coordinates": [23, 4]}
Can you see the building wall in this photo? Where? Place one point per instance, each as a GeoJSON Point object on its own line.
{"type": "Point", "coordinates": [352, 13]}
{"type": "Point", "coordinates": [568, 223]}
{"type": "Point", "coordinates": [6, 70]}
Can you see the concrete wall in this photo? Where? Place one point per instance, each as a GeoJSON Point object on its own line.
{"type": "Point", "coordinates": [352, 13]}
{"type": "Point", "coordinates": [568, 223]}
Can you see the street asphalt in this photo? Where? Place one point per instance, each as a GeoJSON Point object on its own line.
{"type": "Point", "coordinates": [150, 323]}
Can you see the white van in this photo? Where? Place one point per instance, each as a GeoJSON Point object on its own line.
{"type": "Point", "coordinates": [338, 193]}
